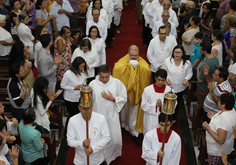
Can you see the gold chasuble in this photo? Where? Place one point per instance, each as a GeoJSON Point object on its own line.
{"type": "Point", "coordinates": [135, 80]}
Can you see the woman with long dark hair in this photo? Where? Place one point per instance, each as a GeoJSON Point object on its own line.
{"type": "Point", "coordinates": [179, 72]}
{"type": "Point", "coordinates": [72, 81]}
{"type": "Point", "coordinates": [41, 101]}
{"type": "Point", "coordinates": [19, 54]}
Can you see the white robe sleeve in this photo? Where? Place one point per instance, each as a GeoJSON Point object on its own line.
{"type": "Point", "coordinates": [71, 137]}
{"type": "Point", "coordinates": [105, 138]}
{"type": "Point", "coordinates": [96, 60]}
{"type": "Point", "coordinates": [146, 106]}
{"type": "Point", "coordinates": [103, 53]}
{"type": "Point", "coordinates": [104, 35]}
{"type": "Point", "coordinates": [150, 57]}
{"type": "Point", "coordinates": [148, 154]}
{"type": "Point", "coordinates": [175, 19]}
{"type": "Point", "coordinates": [64, 83]}
{"type": "Point", "coordinates": [176, 153]}
{"type": "Point", "coordinates": [121, 99]}
{"type": "Point", "coordinates": [189, 70]}
{"type": "Point", "coordinates": [154, 30]}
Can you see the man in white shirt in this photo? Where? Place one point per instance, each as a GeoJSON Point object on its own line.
{"type": "Point", "coordinates": [100, 23]}
{"type": "Point", "coordinates": [99, 136]}
{"type": "Point", "coordinates": [165, 16]}
{"type": "Point", "coordinates": [152, 143]}
{"type": "Point", "coordinates": [158, 12]}
{"type": "Point", "coordinates": [159, 49]}
{"type": "Point", "coordinates": [110, 96]}
{"type": "Point", "coordinates": [152, 101]}
{"type": "Point", "coordinates": [62, 10]}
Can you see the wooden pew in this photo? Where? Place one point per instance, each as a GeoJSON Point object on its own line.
{"type": "Point", "coordinates": [4, 67]}
{"type": "Point", "coordinates": [191, 95]}
{"type": "Point", "coordinates": [197, 124]}
{"type": "Point", "coordinates": [57, 119]}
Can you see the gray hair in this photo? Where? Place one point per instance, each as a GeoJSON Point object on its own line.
{"type": "Point", "coordinates": [168, 26]}
{"type": "Point", "coordinates": [232, 20]}
{"type": "Point", "coordinates": [2, 18]}
{"type": "Point", "coordinates": [133, 46]}
{"type": "Point", "coordinates": [166, 11]}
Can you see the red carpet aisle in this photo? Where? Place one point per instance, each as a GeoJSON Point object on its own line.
{"type": "Point", "coordinates": [130, 35]}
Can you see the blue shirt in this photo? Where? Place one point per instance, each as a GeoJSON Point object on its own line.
{"type": "Point", "coordinates": [31, 144]}
{"type": "Point", "coordinates": [61, 19]}
{"type": "Point", "coordinates": [196, 54]}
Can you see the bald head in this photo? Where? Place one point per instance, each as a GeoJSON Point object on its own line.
{"type": "Point", "coordinates": [190, 4]}
{"type": "Point", "coordinates": [133, 52]}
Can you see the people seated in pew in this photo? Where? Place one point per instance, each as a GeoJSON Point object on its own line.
{"type": "Point", "coordinates": [41, 100]}
{"type": "Point", "coordinates": [18, 91]}
{"type": "Point", "coordinates": [152, 144]}
{"type": "Point", "coordinates": [31, 142]}
{"type": "Point", "coordinates": [219, 132]}
{"type": "Point", "coordinates": [73, 80]}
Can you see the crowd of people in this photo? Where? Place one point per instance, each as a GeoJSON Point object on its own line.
{"type": "Point", "coordinates": [182, 46]}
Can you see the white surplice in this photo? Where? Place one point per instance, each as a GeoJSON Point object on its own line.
{"type": "Point", "coordinates": [98, 133]}
{"type": "Point", "coordinates": [149, 98]}
{"type": "Point", "coordinates": [111, 111]}
{"type": "Point", "coordinates": [152, 143]}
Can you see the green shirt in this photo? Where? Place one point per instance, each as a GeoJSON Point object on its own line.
{"type": "Point", "coordinates": [213, 64]}
{"type": "Point", "coordinates": [31, 144]}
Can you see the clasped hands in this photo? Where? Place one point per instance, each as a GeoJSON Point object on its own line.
{"type": "Point", "coordinates": [88, 149]}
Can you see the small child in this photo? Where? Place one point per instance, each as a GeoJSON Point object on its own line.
{"type": "Point", "coordinates": [196, 56]}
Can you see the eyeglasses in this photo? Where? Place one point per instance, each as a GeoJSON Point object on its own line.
{"type": "Point", "coordinates": [93, 31]}
{"type": "Point", "coordinates": [85, 49]}
{"type": "Point", "coordinates": [163, 34]}
{"type": "Point", "coordinates": [165, 16]}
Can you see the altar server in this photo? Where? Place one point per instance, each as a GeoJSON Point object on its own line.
{"type": "Point", "coordinates": [99, 137]}
{"type": "Point", "coordinates": [152, 101]}
{"type": "Point", "coordinates": [152, 143]}
{"type": "Point", "coordinates": [110, 96]}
